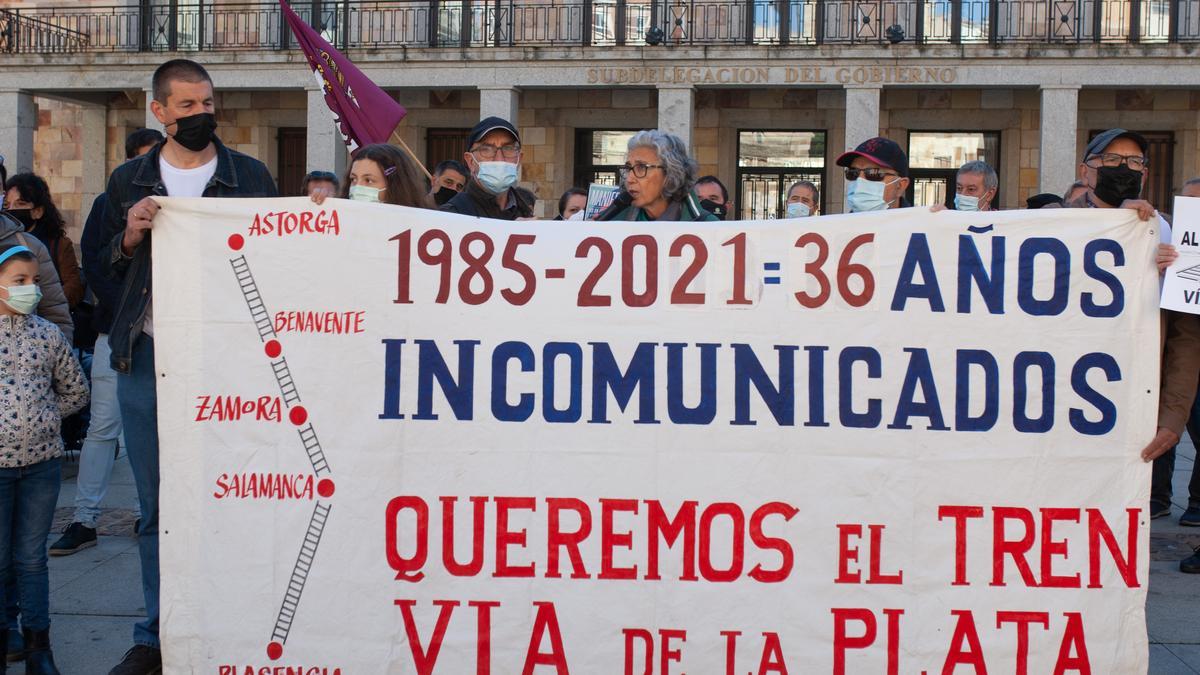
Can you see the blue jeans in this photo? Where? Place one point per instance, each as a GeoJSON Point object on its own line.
{"type": "Point", "coordinates": [139, 416]}
{"type": "Point", "coordinates": [28, 495]}
{"type": "Point", "coordinates": [100, 448]}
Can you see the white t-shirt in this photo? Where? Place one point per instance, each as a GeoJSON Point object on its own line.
{"type": "Point", "coordinates": [180, 183]}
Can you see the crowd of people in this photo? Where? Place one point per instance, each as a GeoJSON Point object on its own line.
{"type": "Point", "coordinates": [64, 317]}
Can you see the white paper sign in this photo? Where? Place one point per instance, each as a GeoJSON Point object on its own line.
{"type": "Point", "coordinates": [402, 441]}
{"type": "Point", "coordinates": [599, 197]}
{"type": "Point", "coordinates": [1181, 281]}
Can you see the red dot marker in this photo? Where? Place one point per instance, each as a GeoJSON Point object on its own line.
{"type": "Point", "coordinates": [236, 242]}
{"type": "Point", "coordinates": [273, 349]}
{"type": "Point", "coordinates": [298, 415]}
{"type": "Point", "coordinates": [274, 651]}
{"type": "Point", "coordinates": [325, 488]}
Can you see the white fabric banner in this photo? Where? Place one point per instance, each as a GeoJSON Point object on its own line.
{"type": "Point", "coordinates": [399, 441]}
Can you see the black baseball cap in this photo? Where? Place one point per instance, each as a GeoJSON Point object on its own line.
{"type": "Point", "coordinates": [883, 151]}
{"type": "Point", "coordinates": [487, 126]}
{"type": "Point", "coordinates": [1103, 139]}
{"type": "Point", "coordinates": [1041, 201]}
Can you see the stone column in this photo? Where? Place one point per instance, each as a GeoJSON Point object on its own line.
{"type": "Point", "coordinates": [677, 112]}
{"type": "Point", "coordinates": [151, 120]}
{"type": "Point", "coordinates": [862, 114]}
{"type": "Point", "coordinates": [94, 153]}
{"type": "Point", "coordinates": [326, 151]}
{"type": "Point", "coordinates": [18, 121]}
{"type": "Point", "coordinates": [499, 102]}
{"type": "Point", "coordinates": [862, 122]}
{"type": "Point", "coordinates": [1059, 127]}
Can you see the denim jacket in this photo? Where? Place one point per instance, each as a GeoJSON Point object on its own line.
{"type": "Point", "coordinates": [237, 175]}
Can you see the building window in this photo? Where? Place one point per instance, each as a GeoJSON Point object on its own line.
{"type": "Point", "coordinates": [1160, 168]}
{"type": "Point", "coordinates": [934, 158]}
{"type": "Point", "coordinates": [599, 154]}
{"type": "Point", "coordinates": [444, 144]}
{"type": "Point", "coordinates": [769, 162]}
{"type": "Point", "coordinates": [291, 157]}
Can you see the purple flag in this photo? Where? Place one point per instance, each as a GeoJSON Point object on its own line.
{"type": "Point", "coordinates": [364, 113]}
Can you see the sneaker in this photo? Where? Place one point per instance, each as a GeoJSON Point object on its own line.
{"type": "Point", "coordinates": [140, 660]}
{"type": "Point", "coordinates": [1191, 517]}
{"type": "Point", "coordinates": [1159, 509]}
{"type": "Point", "coordinates": [75, 538]}
{"type": "Point", "coordinates": [16, 646]}
{"type": "Point", "coordinates": [1191, 565]}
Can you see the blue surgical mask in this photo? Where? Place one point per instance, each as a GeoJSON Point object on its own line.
{"type": "Point", "coordinates": [966, 203]}
{"type": "Point", "coordinates": [496, 177]}
{"type": "Point", "coordinates": [23, 299]}
{"type": "Point", "coordinates": [798, 210]}
{"type": "Point", "coordinates": [362, 193]}
{"type": "Point", "coordinates": [866, 195]}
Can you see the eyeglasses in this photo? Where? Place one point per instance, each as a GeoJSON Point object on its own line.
{"type": "Point", "coordinates": [869, 174]}
{"type": "Point", "coordinates": [489, 151]}
{"type": "Point", "coordinates": [639, 170]}
{"type": "Point", "coordinates": [1135, 162]}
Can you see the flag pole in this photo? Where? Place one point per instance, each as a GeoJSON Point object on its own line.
{"type": "Point", "coordinates": [396, 140]}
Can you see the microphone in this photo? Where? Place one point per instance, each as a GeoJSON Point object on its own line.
{"type": "Point", "coordinates": [619, 204]}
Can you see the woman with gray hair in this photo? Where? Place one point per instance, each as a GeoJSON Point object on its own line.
{"type": "Point", "coordinates": [657, 179]}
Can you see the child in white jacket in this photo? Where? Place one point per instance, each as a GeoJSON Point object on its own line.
{"type": "Point", "coordinates": [40, 383]}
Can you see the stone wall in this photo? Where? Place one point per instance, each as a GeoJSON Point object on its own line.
{"type": "Point", "coordinates": [58, 158]}
{"type": "Point", "coordinates": [721, 114]}
{"type": "Point", "coordinates": [1174, 110]}
{"type": "Point", "coordinates": [247, 122]}
{"type": "Point", "coordinates": [1015, 113]}
{"type": "Point", "coordinates": [549, 119]}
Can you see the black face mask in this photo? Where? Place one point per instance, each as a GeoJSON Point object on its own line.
{"type": "Point", "coordinates": [24, 216]}
{"type": "Point", "coordinates": [444, 194]}
{"type": "Point", "coordinates": [1115, 184]}
{"type": "Point", "coordinates": [714, 208]}
{"type": "Point", "coordinates": [195, 132]}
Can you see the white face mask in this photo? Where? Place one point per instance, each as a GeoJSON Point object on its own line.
{"type": "Point", "coordinates": [362, 193]}
{"type": "Point", "coordinates": [798, 210]}
{"type": "Point", "coordinates": [496, 177]}
{"type": "Point", "coordinates": [23, 299]}
{"type": "Point", "coordinates": [966, 203]}
{"type": "Point", "coordinates": [866, 195]}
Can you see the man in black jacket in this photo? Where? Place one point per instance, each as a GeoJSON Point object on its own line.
{"type": "Point", "coordinates": [494, 158]}
{"type": "Point", "coordinates": [104, 427]}
{"type": "Point", "coordinates": [191, 162]}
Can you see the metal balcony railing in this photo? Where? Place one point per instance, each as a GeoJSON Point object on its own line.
{"type": "Point", "coordinates": [203, 25]}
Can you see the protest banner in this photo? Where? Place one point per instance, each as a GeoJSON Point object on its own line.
{"type": "Point", "coordinates": [401, 441]}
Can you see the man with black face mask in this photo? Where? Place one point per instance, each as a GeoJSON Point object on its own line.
{"type": "Point", "coordinates": [714, 198]}
{"type": "Point", "coordinates": [1114, 170]}
{"type": "Point", "coordinates": [191, 162]}
{"type": "Point", "coordinates": [449, 178]}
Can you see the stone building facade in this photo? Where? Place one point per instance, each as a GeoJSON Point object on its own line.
{"type": "Point", "coordinates": [757, 113]}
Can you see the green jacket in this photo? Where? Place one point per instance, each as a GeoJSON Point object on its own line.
{"type": "Point", "coordinates": [687, 210]}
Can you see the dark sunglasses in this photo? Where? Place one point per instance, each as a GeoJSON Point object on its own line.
{"type": "Point", "coordinates": [869, 174]}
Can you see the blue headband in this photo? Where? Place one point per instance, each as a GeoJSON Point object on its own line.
{"type": "Point", "coordinates": [13, 251]}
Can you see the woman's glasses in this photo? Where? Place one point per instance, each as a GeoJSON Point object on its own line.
{"type": "Point", "coordinates": [639, 170]}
